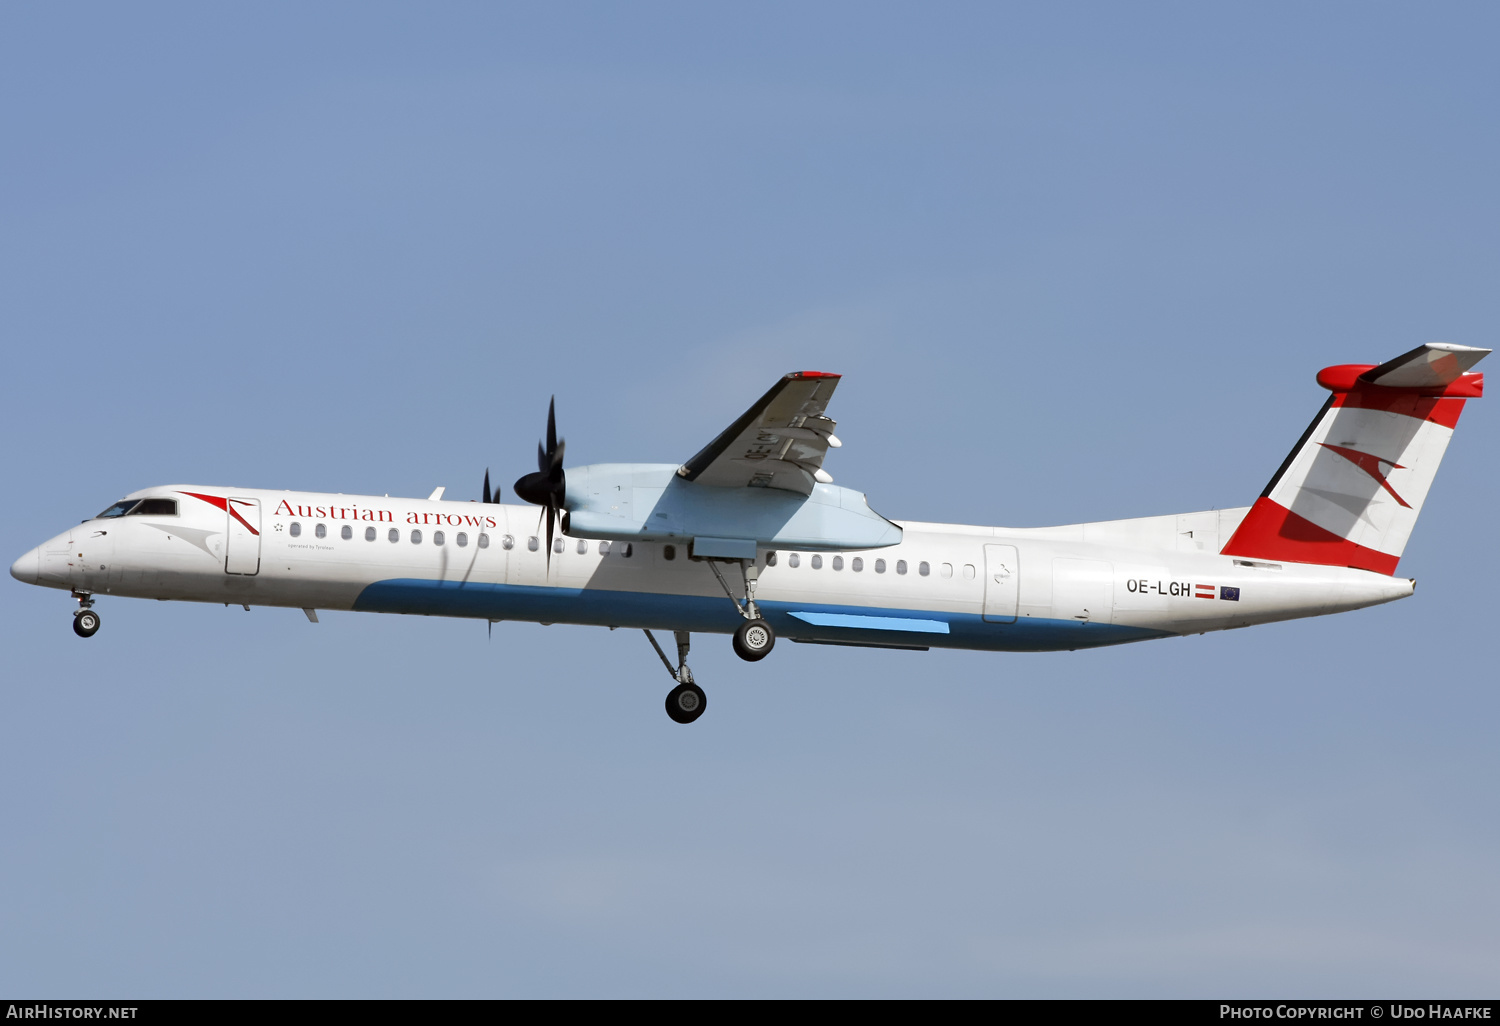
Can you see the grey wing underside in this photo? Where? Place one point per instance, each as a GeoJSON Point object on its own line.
{"type": "Point", "coordinates": [780, 442]}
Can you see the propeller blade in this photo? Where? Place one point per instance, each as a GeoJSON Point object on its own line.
{"type": "Point", "coordinates": [552, 425]}
{"type": "Point", "coordinates": [551, 518]}
{"type": "Point", "coordinates": [548, 486]}
{"type": "Point", "coordinates": [486, 498]}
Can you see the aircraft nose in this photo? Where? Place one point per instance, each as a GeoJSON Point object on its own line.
{"type": "Point", "coordinates": [28, 569]}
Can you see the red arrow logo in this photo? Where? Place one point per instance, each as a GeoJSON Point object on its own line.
{"type": "Point", "coordinates": [1370, 465]}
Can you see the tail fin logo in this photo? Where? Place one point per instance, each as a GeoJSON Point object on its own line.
{"type": "Point", "coordinates": [1370, 465]}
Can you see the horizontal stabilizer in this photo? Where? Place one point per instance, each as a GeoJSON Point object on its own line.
{"type": "Point", "coordinates": [1435, 365]}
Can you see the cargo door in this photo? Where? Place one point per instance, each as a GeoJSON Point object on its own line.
{"type": "Point", "coordinates": [242, 537]}
{"type": "Point", "coordinates": [1083, 590]}
{"type": "Point", "coordinates": [1002, 583]}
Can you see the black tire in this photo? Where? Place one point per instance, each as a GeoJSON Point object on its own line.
{"type": "Point", "coordinates": [85, 623]}
{"type": "Point", "coordinates": [686, 702]}
{"type": "Point", "coordinates": [754, 640]}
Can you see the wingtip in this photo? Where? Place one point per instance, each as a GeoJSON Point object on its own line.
{"type": "Point", "coordinates": [814, 374]}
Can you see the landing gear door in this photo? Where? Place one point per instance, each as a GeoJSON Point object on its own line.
{"type": "Point", "coordinates": [1002, 583]}
{"type": "Point", "coordinates": [242, 548]}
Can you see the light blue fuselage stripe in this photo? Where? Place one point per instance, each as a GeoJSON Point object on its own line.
{"type": "Point", "coordinates": [707, 614]}
{"type": "Point", "coordinates": [871, 623]}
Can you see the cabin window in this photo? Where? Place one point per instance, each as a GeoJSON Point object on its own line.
{"type": "Point", "coordinates": [968, 571]}
{"type": "Point", "coordinates": [669, 552]}
{"type": "Point", "coordinates": [346, 532]}
{"type": "Point", "coordinates": [583, 547]}
{"type": "Point", "coordinates": [627, 551]}
{"type": "Point", "coordinates": [770, 559]}
{"type": "Point", "coordinates": [838, 562]}
{"type": "Point", "coordinates": [484, 541]}
{"type": "Point", "coordinates": [393, 535]}
{"type": "Point", "coordinates": [416, 538]}
{"type": "Point", "coordinates": [119, 509]}
{"type": "Point", "coordinates": [437, 537]}
{"type": "Point", "coordinates": [923, 568]}
{"type": "Point", "coordinates": [604, 548]}
{"type": "Point", "coordinates": [369, 534]}
{"type": "Point", "coordinates": [900, 566]}
{"type": "Point", "coordinates": [880, 566]}
{"type": "Point", "coordinates": [295, 530]}
{"type": "Point", "coordinates": [507, 541]}
{"type": "Point", "coordinates": [154, 508]}
{"type": "Point", "coordinates": [817, 561]}
{"type": "Point", "coordinates": [856, 564]}
{"type": "Point", "coordinates": [945, 571]}
{"type": "Point", "coordinates": [533, 543]}
{"type": "Point", "coordinates": [793, 560]}
{"type": "Point", "coordinates": [461, 539]}
{"type": "Point", "coordinates": [558, 546]}
{"type": "Point", "coordinates": [320, 530]}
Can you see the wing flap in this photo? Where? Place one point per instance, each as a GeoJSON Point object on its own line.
{"type": "Point", "coordinates": [780, 442]}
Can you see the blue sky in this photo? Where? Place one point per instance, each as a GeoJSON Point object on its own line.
{"type": "Point", "coordinates": [1075, 262]}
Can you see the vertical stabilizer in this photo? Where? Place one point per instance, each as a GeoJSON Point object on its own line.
{"type": "Point", "coordinates": [1349, 493]}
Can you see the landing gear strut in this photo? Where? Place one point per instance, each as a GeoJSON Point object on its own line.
{"type": "Point", "coordinates": [85, 621]}
{"type": "Point", "coordinates": [685, 702]}
{"type": "Point", "coordinates": [754, 639]}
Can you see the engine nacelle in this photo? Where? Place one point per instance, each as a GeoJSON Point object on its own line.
{"type": "Point", "coordinates": [649, 502]}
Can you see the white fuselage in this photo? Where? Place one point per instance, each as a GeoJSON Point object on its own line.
{"type": "Point", "coordinates": [944, 585]}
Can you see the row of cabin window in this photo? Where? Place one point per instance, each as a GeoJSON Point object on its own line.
{"type": "Point", "coordinates": [533, 544]}
{"type": "Point", "coordinates": [461, 539]}
{"type": "Point", "coordinates": [857, 564]}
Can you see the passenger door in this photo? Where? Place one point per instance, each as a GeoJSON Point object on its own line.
{"type": "Point", "coordinates": [1002, 583]}
{"type": "Point", "coordinates": [242, 537]}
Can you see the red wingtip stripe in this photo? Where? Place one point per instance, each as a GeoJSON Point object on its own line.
{"type": "Point", "coordinates": [815, 374]}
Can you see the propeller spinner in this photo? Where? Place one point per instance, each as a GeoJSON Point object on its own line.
{"type": "Point", "coordinates": [547, 486]}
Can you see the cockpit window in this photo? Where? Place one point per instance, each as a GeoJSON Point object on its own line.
{"type": "Point", "coordinates": [119, 509]}
{"type": "Point", "coordinates": [154, 508]}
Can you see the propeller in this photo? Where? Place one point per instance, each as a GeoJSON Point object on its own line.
{"type": "Point", "coordinates": [549, 484]}
{"type": "Point", "coordinates": [486, 497]}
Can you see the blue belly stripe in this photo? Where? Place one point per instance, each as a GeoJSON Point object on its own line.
{"type": "Point", "coordinates": [870, 623]}
{"type": "Point", "coordinates": [800, 621]}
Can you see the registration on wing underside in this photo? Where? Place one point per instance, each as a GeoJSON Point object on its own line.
{"type": "Point", "coordinates": [780, 442]}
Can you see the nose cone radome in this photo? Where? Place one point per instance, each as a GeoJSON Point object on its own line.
{"type": "Point", "coordinates": [28, 569]}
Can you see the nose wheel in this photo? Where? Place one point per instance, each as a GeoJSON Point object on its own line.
{"type": "Point", "coordinates": [85, 621]}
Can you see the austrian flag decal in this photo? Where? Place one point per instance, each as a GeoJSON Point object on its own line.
{"type": "Point", "coordinates": [1203, 591]}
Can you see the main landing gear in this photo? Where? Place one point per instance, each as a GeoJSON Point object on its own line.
{"type": "Point", "coordinates": [685, 702]}
{"type": "Point", "coordinates": [753, 639]}
{"type": "Point", "coordinates": [85, 621]}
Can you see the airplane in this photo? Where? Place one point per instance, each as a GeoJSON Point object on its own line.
{"type": "Point", "coordinates": [750, 537]}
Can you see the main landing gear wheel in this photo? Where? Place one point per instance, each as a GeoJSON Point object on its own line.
{"type": "Point", "coordinates": [686, 702]}
{"type": "Point", "coordinates": [753, 640]}
{"type": "Point", "coordinates": [85, 623]}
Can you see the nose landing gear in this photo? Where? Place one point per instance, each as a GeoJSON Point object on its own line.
{"type": "Point", "coordinates": [85, 621]}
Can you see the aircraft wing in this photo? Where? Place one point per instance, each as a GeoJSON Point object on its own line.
{"type": "Point", "coordinates": [780, 442]}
